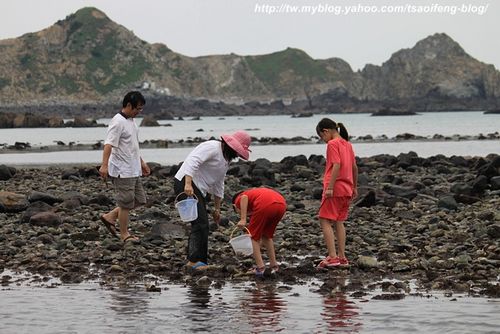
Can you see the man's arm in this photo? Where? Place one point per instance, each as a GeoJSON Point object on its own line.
{"type": "Point", "coordinates": [145, 168]}
{"type": "Point", "coordinates": [106, 153]}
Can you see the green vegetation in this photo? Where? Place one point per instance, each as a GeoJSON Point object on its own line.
{"type": "Point", "coordinates": [104, 61]}
{"type": "Point", "coordinates": [84, 26]}
{"type": "Point", "coordinates": [4, 82]}
{"type": "Point", "coordinates": [68, 84]}
{"type": "Point", "coordinates": [269, 68]}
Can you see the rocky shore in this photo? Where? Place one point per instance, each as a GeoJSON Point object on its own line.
{"type": "Point", "coordinates": [60, 145]}
{"type": "Point", "coordinates": [432, 222]}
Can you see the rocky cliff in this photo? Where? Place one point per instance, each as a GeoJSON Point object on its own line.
{"type": "Point", "coordinates": [87, 58]}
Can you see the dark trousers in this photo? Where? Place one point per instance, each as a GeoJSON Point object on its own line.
{"type": "Point", "coordinates": [198, 239]}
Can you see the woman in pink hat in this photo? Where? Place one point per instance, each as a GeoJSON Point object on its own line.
{"type": "Point", "coordinates": [202, 173]}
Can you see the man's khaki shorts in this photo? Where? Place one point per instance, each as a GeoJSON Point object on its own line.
{"type": "Point", "coordinates": [129, 192]}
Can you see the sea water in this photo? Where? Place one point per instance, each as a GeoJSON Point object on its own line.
{"type": "Point", "coordinates": [426, 125]}
{"type": "Point", "coordinates": [251, 307]}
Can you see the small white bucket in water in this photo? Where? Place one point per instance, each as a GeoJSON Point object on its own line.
{"type": "Point", "coordinates": [187, 208]}
{"type": "Point", "coordinates": [242, 244]}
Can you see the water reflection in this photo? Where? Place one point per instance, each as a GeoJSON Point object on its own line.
{"type": "Point", "coordinates": [198, 310]}
{"type": "Point", "coordinates": [339, 314]}
{"type": "Point", "coordinates": [263, 309]}
{"type": "Point", "coordinates": [129, 300]}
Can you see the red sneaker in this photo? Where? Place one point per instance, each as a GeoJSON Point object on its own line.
{"type": "Point", "coordinates": [343, 261]}
{"type": "Point", "coordinates": [329, 262]}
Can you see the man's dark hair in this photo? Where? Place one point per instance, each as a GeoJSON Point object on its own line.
{"type": "Point", "coordinates": [134, 98]}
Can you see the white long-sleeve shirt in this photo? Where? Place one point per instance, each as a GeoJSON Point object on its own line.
{"type": "Point", "coordinates": [207, 166]}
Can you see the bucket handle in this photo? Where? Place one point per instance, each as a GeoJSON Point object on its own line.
{"type": "Point", "coordinates": [237, 228]}
{"type": "Point", "coordinates": [176, 197]}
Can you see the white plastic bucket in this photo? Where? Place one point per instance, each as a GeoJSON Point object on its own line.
{"type": "Point", "coordinates": [187, 208]}
{"type": "Point", "coordinates": [242, 244]}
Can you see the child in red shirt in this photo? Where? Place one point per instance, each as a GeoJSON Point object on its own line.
{"type": "Point", "coordinates": [265, 207]}
{"type": "Point", "coordinates": [339, 188]}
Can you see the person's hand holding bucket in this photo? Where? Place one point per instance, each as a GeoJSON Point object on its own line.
{"type": "Point", "coordinates": [242, 224]}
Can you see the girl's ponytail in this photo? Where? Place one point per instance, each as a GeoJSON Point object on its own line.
{"type": "Point", "coordinates": [343, 131]}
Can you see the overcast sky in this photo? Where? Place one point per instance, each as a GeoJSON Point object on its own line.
{"type": "Point", "coordinates": [206, 27]}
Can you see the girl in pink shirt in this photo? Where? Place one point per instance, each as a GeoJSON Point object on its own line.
{"type": "Point", "coordinates": [339, 188]}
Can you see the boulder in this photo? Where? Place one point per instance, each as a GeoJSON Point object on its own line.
{"type": "Point", "coordinates": [12, 202]}
{"type": "Point", "coordinates": [102, 199]}
{"type": "Point", "coordinates": [287, 163]}
{"type": "Point", "coordinates": [56, 122]}
{"type": "Point", "coordinates": [45, 218]}
{"type": "Point", "coordinates": [43, 197]}
{"type": "Point", "coordinates": [479, 185]}
{"type": "Point", "coordinates": [448, 202]}
{"type": "Point", "coordinates": [399, 191]}
{"type": "Point", "coordinates": [33, 209]}
{"type": "Point", "coordinates": [367, 262]}
{"type": "Point", "coordinates": [149, 121]}
{"type": "Point", "coordinates": [6, 172]}
{"type": "Point", "coordinates": [368, 200]}
{"type": "Point", "coordinates": [495, 183]}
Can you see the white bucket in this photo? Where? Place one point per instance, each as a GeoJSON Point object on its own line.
{"type": "Point", "coordinates": [187, 208]}
{"type": "Point", "coordinates": [242, 244]}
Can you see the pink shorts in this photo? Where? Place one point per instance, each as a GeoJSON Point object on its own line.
{"type": "Point", "coordinates": [264, 222]}
{"type": "Point", "coordinates": [335, 208]}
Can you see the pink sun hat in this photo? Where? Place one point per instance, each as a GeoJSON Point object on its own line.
{"type": "Point", "coordinates": [239, 142]}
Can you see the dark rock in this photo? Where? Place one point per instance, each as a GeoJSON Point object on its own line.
{"type": "Point", "coordinates": [391, 201]}
{"type": "Point", "coordinates": [409, 159]}
{"type": "Point", "coordinates": [70, 173]}
{"type": "Point", "coordinates": [89, 172]}
{"type": "Point", "coordinates": [491, 169]}
{"type": "Point", "coordinates": [43, 197]}
{"type": "Point", "coordinates": [389, 296]}
{"type": "Point", "coordinates": [479, 185]}
{"type": "Point", "coordinates": [86, 235]}
{"type": "Point", "coordinates": [74, 195]}
{"type": "Point", "coordinates": [71, 204]}
{"type": "Point", "coordinates": [447, 202]}
{"type": "Point", "coordinates": [261, 173]}
{"type": "Point", "coordinates": [46, 218]}
{"type": "Point", "coordinates": [493, 231]}
{"type": "Point", "coordinates": [486, 215]}
{"type": "Point", "coordinates": [165, 230]}
{"type": "Point", "coordinates": [33, 209]}
{"type": "Point", "coordinates": [318, 193]}
{"type": "Point", "coordinates": [459, 161]}
{"type": "Point", "coordinates": [297, 187]}
{"type": "Point", "coordinates": [153, 214]}
{"type": "Point", "coordinates": [363, 179]}
{"type": "Point", "coordinates": [46, 238]}
{"type": "Point", "coordinates": [102, 199]}
{"type": "Point", "coordinates": [367, 200]}
{"type": "Point", "coordinates": [460, 188]}
{"type": "Point", "coordinates": [5, 173]}
{"type": "Point", "coordinates": [287, 163]}
{"type": "Point", "coordinates": [404, 192]}
{"type": "Point", "coordinates": [149, 121]}
{"type": "Point", "coordinates": [495, 183]}
{"type": "Point", "coordinates": [466, 199]}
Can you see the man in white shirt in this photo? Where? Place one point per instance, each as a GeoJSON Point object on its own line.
{"type": "Point", "coordinates": [122, 163]}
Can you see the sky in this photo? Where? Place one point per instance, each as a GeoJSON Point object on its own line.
{"type": "Point", "coordinates": [359, 32]}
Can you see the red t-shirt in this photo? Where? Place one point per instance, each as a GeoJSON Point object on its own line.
{"type": "Point", "coordinates": [260, 198]}
{"type": "Point", "coordinates": [340, 151]}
